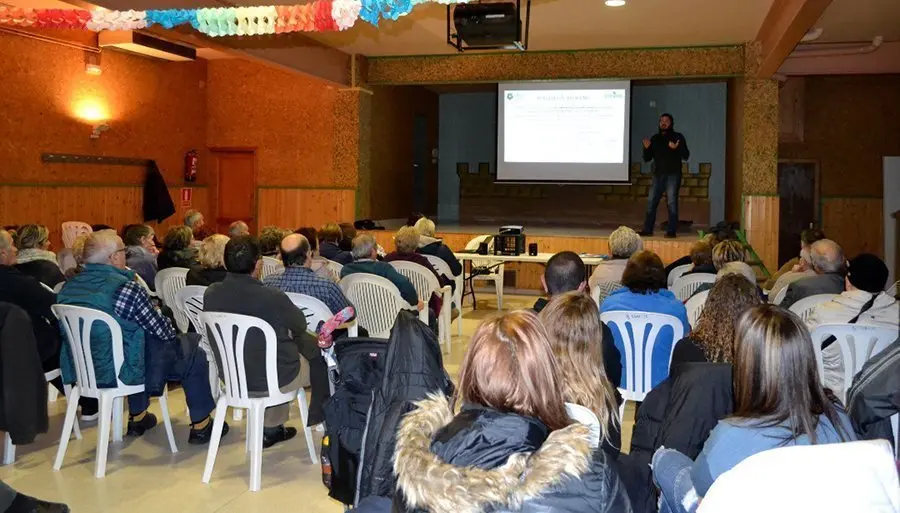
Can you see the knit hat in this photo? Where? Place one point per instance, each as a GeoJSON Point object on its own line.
{"type": "Point", "coordinates": [867, 272]}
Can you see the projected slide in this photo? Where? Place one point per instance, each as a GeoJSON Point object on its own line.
{"type": "Point", "coordinates": [563, 131]}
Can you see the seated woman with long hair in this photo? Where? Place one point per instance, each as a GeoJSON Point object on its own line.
{"type": "Point", "coordinates": [576, 336]}
{"type": "Point", "coordinates": [511, 446]}
{"type": "Point", "coordinates": [779, 401]}
{"type": "Point", "coordinates": [177, 249]}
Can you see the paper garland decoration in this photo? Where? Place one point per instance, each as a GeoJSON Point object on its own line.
{"type": "Point", "coordinates": [316, 16]}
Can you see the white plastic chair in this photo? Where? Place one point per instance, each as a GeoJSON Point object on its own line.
{"type": "Point", "coordinates": [892, 290]}
{"type": "Point", "coordinates": [694, 306]}
{"type": "Point", "coordinates": [72, 229]}
{"type": "Point", "coordinates": [230, 334]}
{"type": "Point", "coordinates": [317, 312]}
{"type": "Point", "coordinates": [602, 290]}
{"type": "Point", "coordinates": [77, 322]}
{"type": "Point", "coordinates": [426, 284]}
{"type": "Point", "coordinates": [685, 286]}
{"type": "Point", "coordinates": [804, 307]}
{"type": "Point", "coordinates": [638, 357]}
{"type": "Point", "coordinates": [143, 283]}
{"type": "Point", "coordinates": [190, 300]}
{"type": "Point", "coordinates": [9, 448]}
{"type": "Point", "coordinates": [676, 273]}
{"type": "Point", "coordinates": [779, 297]}
{"type": "Point", "coordinates": [168, 283]}
{"type": "Point", "coordinates": [585, 416]}
{"type": "Point", "coordinates": [496, 273]}
{"type": "Point", "coordinates": [857, 342]}
{"type": "Point", "coordinates": [270, 265]}
{"type": "Point", "coordinates": [335, 268]}
{"type": "Point", "coordinates": [895, 423]}
{"type": "Point", "coordinates": [444, 270]}
{"type": "Point", "coordinates": [377, 302]}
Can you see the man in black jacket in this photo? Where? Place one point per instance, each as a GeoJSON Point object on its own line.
{"type": "Point", "coordinates": [667, 149]}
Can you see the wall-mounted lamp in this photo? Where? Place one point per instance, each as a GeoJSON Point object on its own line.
{"type": "Point", "coordinates": [99, 129]}
{"type": "Point", "coordinates": [92, 63]}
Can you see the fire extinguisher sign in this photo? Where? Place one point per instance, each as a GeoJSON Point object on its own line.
{"type": "Point", "coordinates": [187, 195]}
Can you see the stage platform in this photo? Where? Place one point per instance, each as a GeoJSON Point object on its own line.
{"type": "Point", "coordinates": [550, 239]}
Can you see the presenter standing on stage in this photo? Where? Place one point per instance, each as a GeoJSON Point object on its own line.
{"type": "Point", "coordinates": [667, 150]}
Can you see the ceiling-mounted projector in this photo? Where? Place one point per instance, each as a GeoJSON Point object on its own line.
{"type": "Point", "coordinates": [488, 26]}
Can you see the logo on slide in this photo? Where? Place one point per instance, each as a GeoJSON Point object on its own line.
{"type": "Point", "coordinates": [509, 96]}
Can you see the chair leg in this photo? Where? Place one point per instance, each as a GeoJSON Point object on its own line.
{"type": "Point", "coordinates": [164, 406]}
{"type": "Point", "coordinates": [213, 451]}
{"type": "Point", "coordinates": [68, 390]}
{"type": "Point", "coordinates": [622, 413]}
{"type": "Point", "coordinates": [237, 414]}
{"type": "Point", "coordinates": [71, 412]}
{"type": "Point", "coordinates": [256, 418]}
{"type": "Point", "coordinates": [9, 451]}
{"type": "Point", "coordinates": [106, 415]}
{"type": "Point", "coordinates": [307, 432]}
{"type": "Point", "coordinates": [52, 393]}
{"type": "Point", "coordinates": [118, 420]}
{"type": "Point", "coordinates": [214, 380]}
{"type": "Point", "coordinates": [498, 285]}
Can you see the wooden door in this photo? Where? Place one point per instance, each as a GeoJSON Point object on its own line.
{"type": "Point", "coordinates": [798, 189]}
{"type": "Point", "coordinates": [235, 172]}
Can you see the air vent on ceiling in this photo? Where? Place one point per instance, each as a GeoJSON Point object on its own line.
{"type": "Point", "coordinates": [146, 45]}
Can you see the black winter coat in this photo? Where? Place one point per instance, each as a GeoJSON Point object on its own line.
{"type": "Point", "coordinates": [678, 414]}
{"type": "Point", "coordinates": [157, 202]}
{"type": "Point", "coordinates": [487, 460]}
{"type": "Point", "coordinates": [875, 395]}
{"type": "Point", "coordinates": [23, 391]}
{"type": "Point", "coordinates": [440, 250]}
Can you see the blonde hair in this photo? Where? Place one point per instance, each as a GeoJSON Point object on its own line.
{"type": "Point", "coordinates": [330, 232]}
{"type": "Point", "coordinates": [425, 227]}
{"type": "Point", "coordinates": [728, 251]}
{"type": "Point", "coordinates": [32, 236]}
{"type": "Point", "coordinates": [407, 240]}
{"type": "Point", "coordinates": [624, 242]}
{"type": "Point", "coordinates": [78, 247]}
{"type": "Point", "coordinates": [509, 366]}
{"type": "Point", "coordinates": [576, 336]}
{"type": "Point", "coordinates": [212, 251]}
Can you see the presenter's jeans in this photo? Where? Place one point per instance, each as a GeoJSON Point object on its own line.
{"type": "Point", "coordinates": [670, 184]}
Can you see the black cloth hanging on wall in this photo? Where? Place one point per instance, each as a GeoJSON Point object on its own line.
{"type": "Point", "coordinates": [158, 204]}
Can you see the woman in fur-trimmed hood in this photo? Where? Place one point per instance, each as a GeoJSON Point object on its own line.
{"type": "Point", "coordinates": [511, 447]}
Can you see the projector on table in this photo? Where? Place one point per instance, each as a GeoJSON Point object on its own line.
{"type": "Point", "coordinates": [510, 240]}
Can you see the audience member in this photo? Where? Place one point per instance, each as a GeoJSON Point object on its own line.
{"type": "Point", "coordinates": [12, 501]}
{"type": "Point", "coordinates": [712, 339]}
{"type": "Point", "coordinates": [645, 290]}
{"type": "Point", "coordinates": [365, 257]}
{"type": "Point", "coordinates": [35, 258]}
{"type": "Point", "coordinates": [728, 268]}
{"type": "Point", "coordinates": [407, 242]}
{"type": "Point", "coordinates": [573, 324]}
{"type": "Point", "coordinates": [863, 302]}
{"type": "Point", "coordinates": [177, 249]}
{"type": "Point", "coordinates": [70, 258]}
{"type": "Point", "coordinates": [429, 245]}
{"type": "Point", "coordinates": [828, 263]}
{"type": "Point", "coordinates": [803, 269]}
{"type": "Point", "coordinates": [140, 252]}
{"type": "Point", "coordinates": [348, 233]}
{"type": "Point", "coordinates": [512, 441]}
{"type": "Point", "coordinates": [709, 238]}
{"type": "Point", "coordinates": [151, 350]}
{"type": "Point", "coordinates": [779, 401]}
{"type": "Point", "coordinates": [796, 264]}
{"type": "Point", "coordinates": [623, 242]}
{"type": "Point", "coordinates": [871, 400]}
{"type": "Point", "coordinates": [701, 258]}
{"type": "Point", "coordinates": [318, 263]}
{"type": "Point", "coordinates": [269, 239]}
{"type": "Point", "coordinates": [329, 244]}
{"type": "Point", "coordinates": [728, 251]}
{"type": "Point", "coordinates": [193, 219]}
{"type": "Point", "coordinates": [241, 293]}
{"type": "Point", "coordinates": [238, 229]}
{"type": "Point", "coordinates": [211, 267]}
{"type": "Point", "coordinates": [299, 278]}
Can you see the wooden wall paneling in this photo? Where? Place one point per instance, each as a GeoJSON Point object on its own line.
{"type": "Point", "coordinates": [761, 216]}
{"type": "Point", "coordinates": [855, 223]}
{"type": "Point", "coordinates": [293, 208]}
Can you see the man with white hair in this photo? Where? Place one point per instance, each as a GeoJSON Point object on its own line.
{"type": "Point", "coordinates": [365, 260]}
{"type": "Point", "coordinates": [238, 229]}
{"type": "Point", "coordinates": [193, 219]}
{"type": "Point", "coordinates": [803, 269]}
{"type": "Point", "coordinates": [827, 259]}
{"type": "Point", "coordinates": [152, 354]}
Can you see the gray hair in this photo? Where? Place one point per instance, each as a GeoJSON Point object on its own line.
{"type": "Point", "coordinates": [238, 228]}
{"type": "Point", "coordinates": [826, 256]}
{"type": "Point", "coordinates": [738, 268]}
{"type": "Point", "coordinates": [363, 246]}
{"type": "Point", "coordinates": [624, 242]}
{"type": "Point", "coordinates": [192, 217]}
{"type": "Point", "coordinates": [100, 246]}
{"type": "Point", "coordinates": [425, 227]}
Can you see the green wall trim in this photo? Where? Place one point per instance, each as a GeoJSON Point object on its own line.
{"type": "Point", "coordinates": [87, 184]}
{"type": "Point", "coordinates": [307, 187]}
{"type": "Point", "coordinates": [581, 50]}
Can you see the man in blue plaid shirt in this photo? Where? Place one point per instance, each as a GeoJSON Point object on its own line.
{"type": "Point", "coordinates": [298, 276]}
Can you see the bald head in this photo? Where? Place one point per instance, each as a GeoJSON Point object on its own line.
{"type": "Point", "coordinates": [294, 250]}
{"type": "Point", "coordinates": [826, 257]}
{"type": "Point", "coordinates": [8, 250]}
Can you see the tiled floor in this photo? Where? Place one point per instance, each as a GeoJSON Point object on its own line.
{"type": "Point", "coordinates": [143, 476]}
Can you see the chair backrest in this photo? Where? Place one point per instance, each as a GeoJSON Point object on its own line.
{"type": "Point", "coordinates": [676, 273]}
{"type": "Point", "coordinates": [335, 268]}
{"type": "Point", "coordinates": [72, 229]}
{"type": "Point", "coordinates": [440, 266]}
{"type": "Point", "coordinates": [58, 287]}
{"type": "Point", "coordinates": [270, 265]}
{"type": "Point", "coordinates": [313, 308]}
{"type": "Point", "coordinates": [421, 278]}
{"type": "Point", "coordinates": [229, 333]}
{"type": "Point", "coordinates": [779, 297]}
{"type": "Point", "coordinates": [168, 283]}
{"type": "Point", "coordinates": [190, 300]}
{"type": "Point", "coordinates": [77, 322]}
{"type": "Point", "coordinates": [685, 286]}
{"type": "Point", "coordinates": [694, 306]}
{"type": "Point", "coordinates": [604, 289]}
{"type": "Point", "coordinates": [804, 307]}
{"type": "Point", "coordinates": [377, 302]}
{"type": "Point", "coordinates": [857, 342]}
{"type": "Point", "coordinates": [634, 328]}
{"type": "Point", "coordinates": [47, 287]}
{"type": "Point", "coordinates": [892, 290]}
{"type": "Point", "coordinates": [585, 416]}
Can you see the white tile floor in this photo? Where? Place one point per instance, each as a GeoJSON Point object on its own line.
{"type": "Point", "coordinates": [144, 476]}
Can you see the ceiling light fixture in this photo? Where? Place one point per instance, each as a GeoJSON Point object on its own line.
{"type": "Point", "coordinates": [615, 3]}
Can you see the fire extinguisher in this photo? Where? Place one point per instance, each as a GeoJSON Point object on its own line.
{"type": "Point", "coordinates": [190, 166]}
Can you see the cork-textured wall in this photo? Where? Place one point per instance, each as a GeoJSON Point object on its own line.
{"type": "Point", "coordinates": [760, 137]}
{"type": "Point", "coordinates": [850, 123]}
{"type": "Point", "coordinates": [492, 67]}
